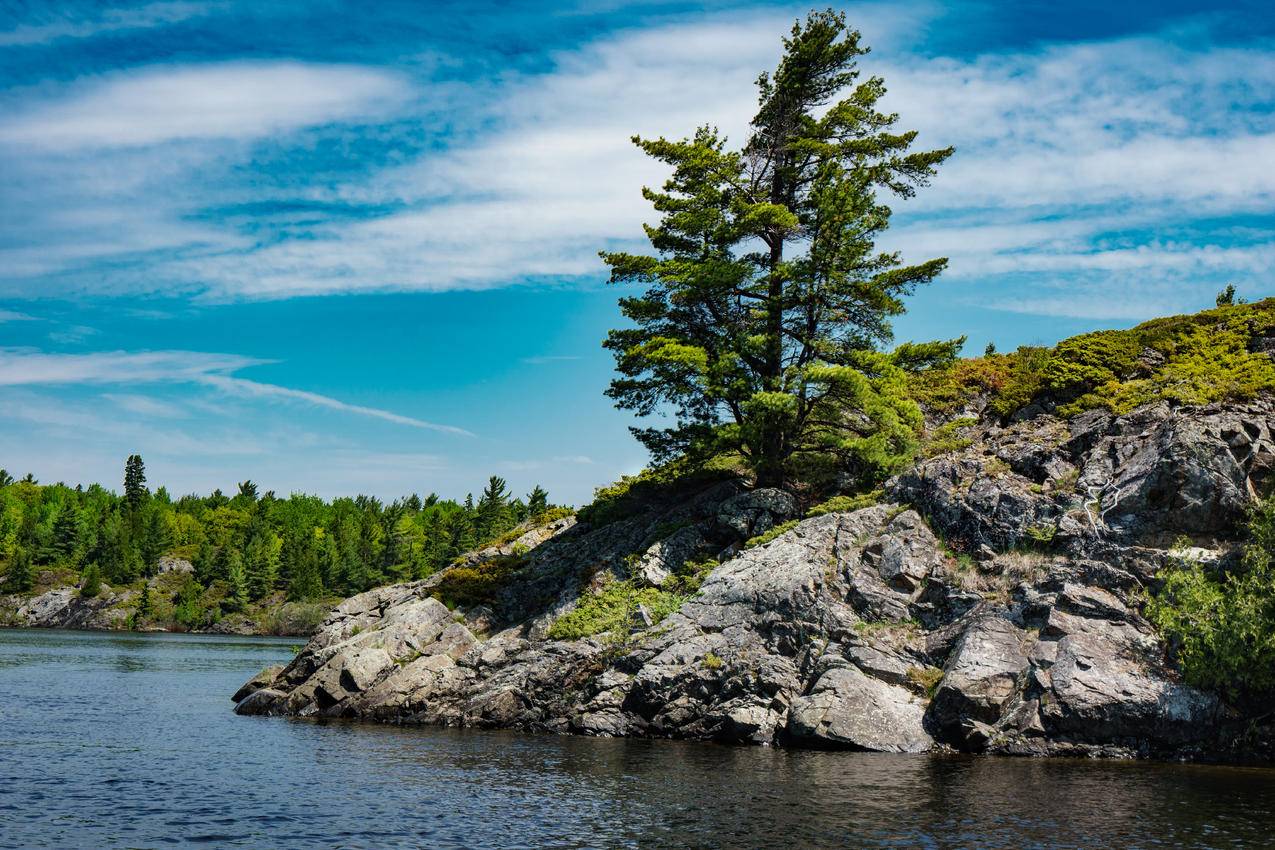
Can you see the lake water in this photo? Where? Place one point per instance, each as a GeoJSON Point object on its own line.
{"type": "Point", "coordinates": [128, 741]}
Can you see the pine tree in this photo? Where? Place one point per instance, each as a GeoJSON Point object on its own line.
{"type": "Point", "coordinates": [19, 578]}
{"type": "Point", "coordinates": [66, 531]}
{"type": "Point", "coordinates": [304, 581]}
{"type": "Point", "coordinates": [143, 604]}
{"type": "Point", "coordinates": [237, 584]}
{"type": "Point", "coordinates": [156, 539]}
{"type": "Point", "coordinates": [5, 478]}
{"type": "Point", "coordinates": [767, 302]}
{"type": "Point", "coordinates": [493, 517]}
{"type": "Point", "coordinates": [134, 483]}
{"type": "Point", "coordinates": [537, 501]}
{"type": "Point", "coordinates": [91, 582]}
{"type": "Point", "coordinates": [205, 562]}
{"type": "Point", "coordinates": [262, 564]}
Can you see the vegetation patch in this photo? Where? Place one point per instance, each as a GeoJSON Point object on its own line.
{"type": "Point", "coordinates": [846, 504]}
{"type": "Point", "coordinates": [463, 587]}
{"type": "Point", "coordinates": [949, 437]}
{"type": "Point", "coordinates": [763, 539]}
{"type": "Point", "coordinates": [636, 494]}
{"type": "Point", "coordinates": [926, 678]}
{"type": "Point", "coordinates": [1195, 359]}
{"type": "Point", "coordinates": [1220, 625]}
{"type": "Point", "coordinates": [614, 608]}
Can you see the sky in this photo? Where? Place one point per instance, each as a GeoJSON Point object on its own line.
{"type": "Point", "coordinates": [340, 248]}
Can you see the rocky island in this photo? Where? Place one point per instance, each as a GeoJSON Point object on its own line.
{"type": "Point", "coordinates": [991, 597]}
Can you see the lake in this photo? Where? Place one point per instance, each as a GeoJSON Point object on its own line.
{"type": "Point", "coordinates": [128, 741]}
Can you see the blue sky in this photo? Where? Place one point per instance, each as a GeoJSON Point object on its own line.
{"type": "Point", "coordinates": [350, 248]}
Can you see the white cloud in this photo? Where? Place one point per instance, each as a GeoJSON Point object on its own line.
{"type": "Point", "coordinates": [1057, 148]}
{"type": "Point", "coordinates": [253, 389]}
{"type": "Point", "coordinates": [233, 100]}
{"type": "Point", "coordinates": [109, 20]}
{"type": "Point", "coordinates": [147, 406]}
{"type": "Point", "coordinates": [26, 368]}
{"type": "Point", "coordinates": [14, 316]}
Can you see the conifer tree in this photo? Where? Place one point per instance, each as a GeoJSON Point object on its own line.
{"type": "Point", "coordinates": [154, 543]}
{"type": "Point", "coordinates": [767, 304]}
{"type": "Point", "coordinates": [20, 578]}
{"type": "Point", "coordinates": [143, 604]}
{"type": "Point", "coordinates": [304, 581]}
{"type": "Point", "coordinates": [134, 482]}
{"type": "Point", "coordinates": [66, 530]}
{"type": "Point", "coordinates": [237, 584]}
{"type": "Point", "coordinates": [493, 516]}
{"type": "Point", "coordinates": [537, 501]}
{"type": "Point", "coordinates": [91, 583]}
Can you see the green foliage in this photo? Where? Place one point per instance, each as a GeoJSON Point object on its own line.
{"type": "Point", "coordinates": [91, 584]}
{"type": "Point", "coordinates": [613, 609]}
{"type": "Point", "coordinates": [19, 578]}
{"type": "Point", "coordinates": [1220, 626]}
{"type": "Point", "coordinates": [952, 436]}
{"type": "Point", "coordinates": [713, 661]}
{"type": "Point", "coordinates": [767, 302]}
{"type": "Point", "coordinates": [464, 586]}
{"type": "Point", "coordinates": [249, 546]}
{"type": "Point", "coordinates": [1186, 360]}
{"type": "Point", "coordinates": [846, 504]}
{"type": "Point", "coordinates": [635, 494]}
{"type": "Point", "coordinates": [926, 678]}
{"type": "Point", "coordinates": [766, 537]}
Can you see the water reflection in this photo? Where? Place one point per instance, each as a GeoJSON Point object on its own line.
{"type": "Point", "coordinates": [115, 741]}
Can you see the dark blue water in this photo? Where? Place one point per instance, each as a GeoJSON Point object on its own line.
{"type": "Point", "coordinates": [128, 741]}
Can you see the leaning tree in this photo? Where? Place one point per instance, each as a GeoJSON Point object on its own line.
{"type": "Point", "coordinates": [763, 326]}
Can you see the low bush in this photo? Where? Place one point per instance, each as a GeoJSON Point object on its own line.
{"type": "Point", "coordinates": [763, 539]}
{"type": "Point", "coordinates": [477, 585]}
{"type": "Point", "coordinates": [1186, 360]}
{"type": "Point", "coordinates": [613, 609]}
{"type": "Point", "coordinates": [1220, 625]}
{"type": "Point", "coordinates": [845, 504]}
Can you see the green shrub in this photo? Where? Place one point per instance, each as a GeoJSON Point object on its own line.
{"type": "Point", "coordinates": [91, 586]}
{"type": "Point", "coordinates": [846, 504]}
{"type": "Point", "coordinates": [926, 678]}
{"type": "Point", "coordinates": [613, 608]}
{"type": "Point", "coordinates": [949, 437]}
{"type": "Point", "coordinates": [713, 661]}
{"type": "Point", "coordinates": [633, 494]}
{"type": "Point", "coordinates": [1220, 626]}
{"type": "Point", "coordinates": [763, 539]}
{"type": "Point", "coordinates": [477, 585]}
{"type": "Point", "coordinates": [1188, 360]}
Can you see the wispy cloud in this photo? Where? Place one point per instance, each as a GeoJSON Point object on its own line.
{"type": "Point", "coordinates": [13, 316]}
{"type": "Point", "coordinates": [108, 20]}
{"type": "Point", "coordinates": [253, 389]}
{"type": "Point", "coordinates": [23, 367]}
{"type": "Point", "coordinates": [147, 406]}
{"type": "Point", "coordinates": [232, 100]}
{"type": "Point", "coordinates": [1120, 158]}
{"type": "Point", "coordinates": [533, 465]}
{"type": "Point", "coordinates": [73, 333]}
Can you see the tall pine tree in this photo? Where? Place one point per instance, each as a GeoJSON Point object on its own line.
{"type": "Point", "coordinates": [767, 304]}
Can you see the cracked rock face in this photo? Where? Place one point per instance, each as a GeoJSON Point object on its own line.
{"type": "Point", "coordinates": [852, 630]}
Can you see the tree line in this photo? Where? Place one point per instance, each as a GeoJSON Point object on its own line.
{"type": "Point", "coordinates": [254, 544]}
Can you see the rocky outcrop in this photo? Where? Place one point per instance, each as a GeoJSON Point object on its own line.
{"type": "Point", "coordinates": [861, 630]}
{"type": "Point", "coordinates": [65, 608]}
